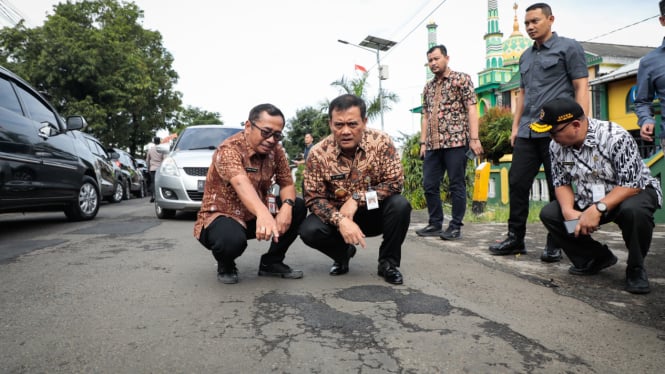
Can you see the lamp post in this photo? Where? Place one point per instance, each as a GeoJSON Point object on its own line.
{"type": "Point", "coordinates": [372, 44]}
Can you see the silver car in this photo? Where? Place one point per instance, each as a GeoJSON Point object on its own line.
{"type": "Point", "coordinates": [180, 179]}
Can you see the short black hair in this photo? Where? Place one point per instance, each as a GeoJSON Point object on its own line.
{"type": "Point", "coordinates": [156, 140]}
{"type": "Point", "coordinates": [272, 111]}
{"type": "Point", "coordinates": [345, 102]}
{"type": "Point", "coordinates": [546, 9]}
{"type": "Point", "coordinates": [442, 48]}
{"type": "Point", "coordinates": [662, 7]}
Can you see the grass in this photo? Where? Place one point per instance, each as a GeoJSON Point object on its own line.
{"type": "Point", "coordinates": [499, 213]}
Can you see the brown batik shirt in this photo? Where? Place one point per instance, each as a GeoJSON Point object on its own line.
{"type": "Point", "coordinates": [332, 178]}
{"type": "Point", "coordinates": [235, 157]}
{"type": "Point", "coordinates": [446, 101]}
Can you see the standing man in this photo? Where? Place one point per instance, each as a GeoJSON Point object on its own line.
{"type": "Point", "coordinates": [238, 203]}
{"type": "Point", "coordinates": [353, 181]}
{"type": "Point", "coordinates": [553, 67]}
{"type": "Point", "coordinates": [651, 83]}
{"type": "Point", "coordinates": [309, 142]}
{"type": "Point", "coordinates": [449, 128]}
{"type": "Point", "coordinates": [612, 184]}
{"type": "Point", "coordinates": [154, 160]}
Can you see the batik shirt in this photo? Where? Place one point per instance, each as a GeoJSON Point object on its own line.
{"type": "Point", "coordinates": [332, 178]}
{"type": "Point", "coordinates": [446, 101]}
{"type": "Point", "coordinates": [609, 157]}
{"type": "Point", "coordinates": [235, 157]}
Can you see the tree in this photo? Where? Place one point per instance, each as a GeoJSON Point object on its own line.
{"type": "Point", "coordinates": [113, 71]}
{"type": "Point", "coordinates": [494, 132]}
{"type": "Point", "coordinates": [357, 86]}
{"type": "Point", "coordinates": [307, 120]}
{"type": "Point", "coordinates": [195, 116]}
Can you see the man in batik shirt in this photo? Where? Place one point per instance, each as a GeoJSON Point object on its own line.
{"type": "Point", "coordinates": [353, 184]}
{"type": "Point", "coordinates": [237, 204]}
{"type": "Point", "coordinates": [612, 184]}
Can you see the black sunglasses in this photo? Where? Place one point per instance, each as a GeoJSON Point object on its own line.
{"type": "Point", "coordinates": [267, 133]}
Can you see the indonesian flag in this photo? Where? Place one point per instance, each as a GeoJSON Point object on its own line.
{"type": "Point", "coordinates": [361, 68]}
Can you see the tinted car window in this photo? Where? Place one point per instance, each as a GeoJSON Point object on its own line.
{"type": "Point", "coordinates": [37, 110]}
{"type": "Point", "coordinates": [8, 99]}
{"type": "Point", "coordinates": [208, 138]}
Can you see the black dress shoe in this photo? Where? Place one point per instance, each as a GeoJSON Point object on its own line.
{"type": "Point", "coordinates": [451, 234]}
{"type": "Point", "coordinates": [390, 274]}
{"type": "Point", "coordinates": [509, 246]}
{"type": "Point", "coordinates": [429, 230]}
{"type": "Point", "coordinates": [594, 266]}
{"type": "Point", "coordinates": [551, 254]}
{"type": "Point", "coordinates": [339, 268]}
{"type": "Point", "coordinates": [636, 280]}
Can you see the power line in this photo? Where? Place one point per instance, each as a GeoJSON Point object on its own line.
{"type": "Point", "coordinates": [621, 28]}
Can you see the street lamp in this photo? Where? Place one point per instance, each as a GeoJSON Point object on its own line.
{"type": "Point", "coordinates": [371, 44]}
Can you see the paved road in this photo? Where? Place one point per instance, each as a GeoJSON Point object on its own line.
{"type": "Point", "coordinates": [130, 293]}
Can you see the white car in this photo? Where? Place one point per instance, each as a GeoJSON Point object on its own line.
{"type": "Point", "coordinates": [180, 179]}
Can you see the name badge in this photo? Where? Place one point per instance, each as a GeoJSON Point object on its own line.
{"type": "Point", "coordinates": [598, 192]}
{"type": "Point", "coordinates": [338, 177]}
{"type": "Point", "coordinates": [251, 170]}
{"type": "Point", "coordinates": [371, 199]}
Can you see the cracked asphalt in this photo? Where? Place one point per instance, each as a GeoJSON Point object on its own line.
{"type": "Point", "coordinates": [128, 293]}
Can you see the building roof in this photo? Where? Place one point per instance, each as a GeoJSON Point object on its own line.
{"type": "Point", "coordinates": [625, 71]}
{"type": "Point", "coordinates": [616, 50]}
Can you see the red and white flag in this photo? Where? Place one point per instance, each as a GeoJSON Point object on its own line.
{"type": "Point", "coordinates": [361, 68]}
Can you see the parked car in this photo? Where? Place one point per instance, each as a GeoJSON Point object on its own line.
{"type": "Point", "coordinates": [112, 183]}
{"type": "Point", "coordinates": [129, 167]}
{"type": "Point", "coordinates": [180, 179]}
{"type": "Point", "coordinates": [143, 167]}
{"type": "Point", "coordinates": [43, 166]}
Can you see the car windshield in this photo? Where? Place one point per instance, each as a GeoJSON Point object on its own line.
{"type": "Point", "coordinates": [203, 138]}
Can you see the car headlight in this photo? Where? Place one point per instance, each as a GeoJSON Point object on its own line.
{"type": "Point", "coordinates": [169, 167]}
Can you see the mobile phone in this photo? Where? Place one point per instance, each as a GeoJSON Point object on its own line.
{"type": "Point", "coordinates": [470, 154]}
{"type": "Point", "coordinates": [570, 225]}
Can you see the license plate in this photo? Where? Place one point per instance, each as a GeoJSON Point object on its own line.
{"type": "Point", "coordinates": [201, 184]}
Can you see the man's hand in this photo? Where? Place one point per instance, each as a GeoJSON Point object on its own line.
{"type": "Point", "coordinates": [646, 132]}
{"type": "Point", "coordinates": [589, 221]}
{"type": "Point", "coordinates": [351, 232]}
{"type": "Point", "coordinates": [266, 228]}
{"type": "Point", "coordinates": [283, 218]}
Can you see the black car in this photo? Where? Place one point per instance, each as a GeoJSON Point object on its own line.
{"type": "Point", "coordinates": [134, 176]}
{"type": "Point", "coordinates": [112, 183]}
{"type": "Point", "coordinates": [43, 166]}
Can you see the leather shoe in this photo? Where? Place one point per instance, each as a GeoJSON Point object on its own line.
{"type": "Point", "coordinates": [429, 230]}
{"type": "Point", "coordinates": [509, 246]}
{"type": "Point", "coordinates": [228, 276]}
{"type": "Point", "coordinates": [390, 274]}
{"type": "Point", "coordinates": [451, 234]}
{"type": "Point", "coordinates": [551, 254]}
{"type": "Point", "coordinates": [594, 266]}
{"type": "Point", "coordinates": [636, 280]}
{"type": "Point", "coordinates": [279, 269]}
{"type": "Point", "coordinates": [339, 268]}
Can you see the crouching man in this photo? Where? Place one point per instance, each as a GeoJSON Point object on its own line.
{"type": "Point", "coordinates": [612, 184]}
{"type": "Point", "coordinates": [353, 184]}
{"type": "Point", "coordinates": [236, 202]}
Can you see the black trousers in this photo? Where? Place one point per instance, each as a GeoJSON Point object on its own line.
{"type": "Point", "coordinates": [391, 220]}
{"type": "Point", "coordinates": [634, 217]}
{"type": "Point", "coordinates": [528, 155]}
{"type": "Point", "coordinates": [227, 239]}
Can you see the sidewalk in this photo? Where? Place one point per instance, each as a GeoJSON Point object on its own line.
{"type": "Point", "coordinates": [603, 291]}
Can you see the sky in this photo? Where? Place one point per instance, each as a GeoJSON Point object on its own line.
{"type": "Point", "coordinates": [233, 55]}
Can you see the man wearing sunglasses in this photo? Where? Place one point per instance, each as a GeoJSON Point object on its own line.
{"type": "Point", "coordinates": [353, 184]}
{"type": "Point", "coordinates": [238, 203]}
{"type": "Point", "coordinates": [612, 184]}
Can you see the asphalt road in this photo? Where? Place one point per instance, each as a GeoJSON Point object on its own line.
{"type": "Point", "coordinates": [128, 293]}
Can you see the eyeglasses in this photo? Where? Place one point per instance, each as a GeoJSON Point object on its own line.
{"type": "Point", "coordinates": [265, 134]}
{"type": "Point", "coordinates": [561, 128]}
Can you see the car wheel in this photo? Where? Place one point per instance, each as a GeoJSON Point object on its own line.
{"type": "Point", "coordinates": [118, 192]}
{"type": "Point", "coordinates": [126, 191]}
{"type": "Point", "coordinates": [164, 213]}
{"type": "Point", "coordinates": [86, 204]}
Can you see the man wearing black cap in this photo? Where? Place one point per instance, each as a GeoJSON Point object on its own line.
{"type": "Point", "coordinates": [612, 184]}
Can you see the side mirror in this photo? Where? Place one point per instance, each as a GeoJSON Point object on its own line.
{"type": "Point", "coordinates": [76, 123]}
{"type": "Point", "coordinates": [163, 148]}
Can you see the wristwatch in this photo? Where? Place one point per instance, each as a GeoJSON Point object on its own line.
{"type": "Point", "coordinates": [602, 207]}
{"type": "Point", "coordinates": [290, 202]}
